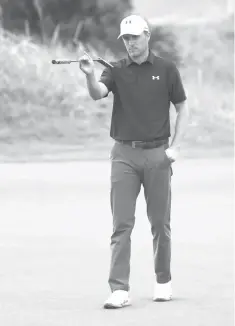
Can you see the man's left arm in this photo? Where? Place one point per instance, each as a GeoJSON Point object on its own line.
{"type": "Point", "coordinates": [181, 124]}
{"type": "Point", "coordinates": [179, 99]}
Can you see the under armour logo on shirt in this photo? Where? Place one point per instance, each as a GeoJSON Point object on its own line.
{"type": "Point", "coordinates": [155, 77]}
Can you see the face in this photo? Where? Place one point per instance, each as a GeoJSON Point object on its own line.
{"type": "Point", "coordinates": [136, 45]}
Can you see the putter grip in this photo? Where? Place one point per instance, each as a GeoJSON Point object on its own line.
{"type": "Point", "coordinates": [59, 62]}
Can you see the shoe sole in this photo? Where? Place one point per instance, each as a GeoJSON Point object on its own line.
{"type": "Point", "coordinates": [162, 299]}
{"type": "Point", "coordinates": [110, 306]}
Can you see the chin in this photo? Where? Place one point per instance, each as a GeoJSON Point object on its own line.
{"type": "Point", "coordinates": [134, 53]}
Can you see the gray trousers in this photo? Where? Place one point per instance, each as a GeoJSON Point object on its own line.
{"type": "Point", "coordinates": [131, 168]}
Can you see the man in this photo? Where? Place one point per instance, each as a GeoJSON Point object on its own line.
{"type": "Point", "coordinates": [143, 86]}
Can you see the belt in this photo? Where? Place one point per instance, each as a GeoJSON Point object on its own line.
{"type": "Point", "coordinates": [143, 144]}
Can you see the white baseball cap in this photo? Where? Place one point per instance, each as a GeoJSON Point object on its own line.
{"type": "Point", "coordinates": [134, 25]}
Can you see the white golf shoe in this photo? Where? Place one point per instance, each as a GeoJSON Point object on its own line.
{"type": "Point", "coordinates": [162, 292]}
{"type": "Point", "coordinates": [118, 299]}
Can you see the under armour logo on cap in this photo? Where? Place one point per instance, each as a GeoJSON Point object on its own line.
{"type": "Point", "coordinates": [133, 25]}
{"type": "Point", "coordinates": [155, 77]}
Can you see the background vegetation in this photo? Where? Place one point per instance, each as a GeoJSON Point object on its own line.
{"type": "Point", "coordinates": [44, 104]}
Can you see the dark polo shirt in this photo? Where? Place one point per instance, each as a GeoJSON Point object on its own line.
{"type": "Point", "coordinates": [142, 97]}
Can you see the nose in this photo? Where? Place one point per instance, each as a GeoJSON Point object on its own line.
{"type": "Point", "coordinates": [131, 42]}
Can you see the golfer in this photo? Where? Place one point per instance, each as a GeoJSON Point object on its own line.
{"type": "Point", "coordinates": [143, 86]}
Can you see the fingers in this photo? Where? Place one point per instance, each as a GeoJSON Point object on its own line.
{"type": "Point", "coordinates": [87, 55]}
{"type": "Point", "coordinates": [86, 64]}
{"type": "Point", "coordinates": [85, 58]}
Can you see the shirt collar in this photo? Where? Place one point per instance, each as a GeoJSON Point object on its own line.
{"type": "Point", "coordinates": [150, 59]}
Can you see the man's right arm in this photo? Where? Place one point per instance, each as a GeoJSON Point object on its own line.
{"type": "Point", "coordinates": [97, 90]}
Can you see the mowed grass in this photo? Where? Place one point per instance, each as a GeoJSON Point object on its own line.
{"type": "Point", "coordinates": [55, 230]}
{"type": "Point", "coordinates": [46, 104]}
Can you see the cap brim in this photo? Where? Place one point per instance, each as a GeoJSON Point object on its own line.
{"type": "Point", "coordinates": [130, 33]}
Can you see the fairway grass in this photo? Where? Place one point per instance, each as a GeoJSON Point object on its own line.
{"type": "Point", "coordinates": [55, 230]}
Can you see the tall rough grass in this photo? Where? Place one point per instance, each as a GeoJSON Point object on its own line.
{"type": "Point", "coordinates": [40, 100]}
{"type": "Point", "coordinates": [208, 70]}
{"type": "Point", "coordinates": [48, 103]}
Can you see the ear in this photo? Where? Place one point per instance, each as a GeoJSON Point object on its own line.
{"type": "Point", "coordinates": [148, 34]}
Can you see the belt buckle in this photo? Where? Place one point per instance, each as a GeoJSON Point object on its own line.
{"type": "Point", "coordinates": [133, 143]}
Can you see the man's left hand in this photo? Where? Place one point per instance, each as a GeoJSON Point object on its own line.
{"type": "Point", "coordinates": [172, 153]}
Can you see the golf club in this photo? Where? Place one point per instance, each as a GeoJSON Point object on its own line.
{"type": "Point", "coordinates": [100, 60]}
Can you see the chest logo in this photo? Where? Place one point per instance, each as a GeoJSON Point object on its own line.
{"type": "Point", "coordinates": [155, 77]}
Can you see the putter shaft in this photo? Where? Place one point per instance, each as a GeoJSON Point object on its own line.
{"type": "Point", "coordinates": [100, 60]}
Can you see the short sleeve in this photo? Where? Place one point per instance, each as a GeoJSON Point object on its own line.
{"type": "Point", "coordinates": [107, 79]}
{"type": "Point", "coordinates": [176, 88]}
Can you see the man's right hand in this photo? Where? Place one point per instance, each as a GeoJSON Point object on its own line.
{"type": "Point", "coordinates": [97, 90]}
{"type": "Point", "coordinates": [87, 64]}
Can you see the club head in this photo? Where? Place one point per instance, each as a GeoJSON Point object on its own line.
{"type": "Point", "coordinates": [104, 62]}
